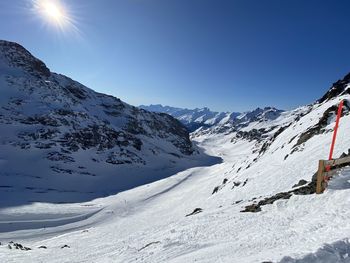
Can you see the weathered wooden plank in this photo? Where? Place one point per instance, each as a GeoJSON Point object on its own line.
{"type": "Point", "coordinates": [320, 177]}
{"type": "Point", "coordinates": [339, 161]}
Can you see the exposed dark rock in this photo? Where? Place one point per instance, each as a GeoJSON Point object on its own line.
{"type": "Point", "coordinates": [345, 154]}
{"type": "Point", "coordinates": [280, 130]}
{"type": "Point", "coordinates": [43, 247]}
{"type": "Point", "coordinates": [292, 139]}
{"type": "Point", "coordinates": [75, 91]}
{"type": "Point", "coordinates": [216, 189]}
{"type": "Point", "coordinates": [264, 148]}
{"type": "Point", "coordinates": [322, 123]}
{"type": "Point", "coordinates": [300, 183]}
{"type": "Point", "coordinates": [338, 88]}
{"type": "Point", "coordinates": [40, 145]}
{"type": "Point", "coordinates": [195, 211]}
{"type": "Point", "coordinates": [57, 156]}
{"type": "Point", "coordinates": [307, 189]}
{"type": "Point", "coordinates": [43, 120]}
{"type": "Point", "coordinates": [173, 126]}
{"type": "Point", "coordinates": [267, 143]}
{"type": "Point", "coordinates": [149, 244]}
{"type": "Point", "coordinates": [101, 137]}
{"type": "Point", "coordinates": [270, 200]}
{"type": "Point", "coordinates": [245, 182]}
{"type": "Point", "coordinates": [61, 170]}
{"type": "Point", "coordinates": [65, 112]}
{"type": "Point", "coordinates": [124, 157]}
{"type": "Point", "coordinates": [310, 188]}
{"type": "Point", "coordinates": [17, 246]}
{"type": "Point", "coordinates": [251, 135]}
{"type": "Point", "coordinates": [18, 56]}
{"type": "Point", "coordinates": [253, 208]}
{"type": "Point", "coordinates": [65, 246]}
{"type": "Point", "coordinates": [236, 184]}
{"type": "Point", "coordinates": [115, 109]}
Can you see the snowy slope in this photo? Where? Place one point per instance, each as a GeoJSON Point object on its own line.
{"type": "Point", "coordinates": [262, 157]}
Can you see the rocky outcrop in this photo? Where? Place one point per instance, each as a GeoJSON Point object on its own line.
{"type": "Point", "coordinates": [322, 123]}
{"type": "Point", "coordinates": [338, 88]}
{"type": "Point", "coordinates": [17, 56]}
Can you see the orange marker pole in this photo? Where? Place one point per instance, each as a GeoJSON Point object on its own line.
{"type": "Point", "coordinates": [340, 108]}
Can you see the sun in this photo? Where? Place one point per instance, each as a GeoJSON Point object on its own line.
{"type": "Point", "coordinates": [54, 13]}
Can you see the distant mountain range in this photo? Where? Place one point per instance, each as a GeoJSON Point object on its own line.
{"type": "Point", "coordinates": [205, 118]}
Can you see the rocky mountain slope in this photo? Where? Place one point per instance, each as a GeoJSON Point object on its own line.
{"type": "Point", "coordinates": [60, 136]}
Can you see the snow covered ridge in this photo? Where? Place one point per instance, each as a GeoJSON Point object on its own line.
{"type": "Point", "coordinates": [58, 135]}
{"type": "Point", "coordinates": [192, 118]}
{"type": "Point", "coordinates": [205, 118]}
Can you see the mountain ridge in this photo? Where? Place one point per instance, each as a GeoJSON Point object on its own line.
{"type": "Point", "coordinates": [197, 118]}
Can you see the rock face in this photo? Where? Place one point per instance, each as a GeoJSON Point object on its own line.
{"type": "Point", "coordinates": [17, 56]}
{"type": "Point", "coordinates": [341, 87]}
{"type": "Point", "coordinates": [48, 116]}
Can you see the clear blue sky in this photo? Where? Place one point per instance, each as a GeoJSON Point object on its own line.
{"type": "Point", "coordinates": [227, 55]}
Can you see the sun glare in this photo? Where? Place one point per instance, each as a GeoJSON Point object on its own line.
{"type": "Point", "coordinates": [54, 13]}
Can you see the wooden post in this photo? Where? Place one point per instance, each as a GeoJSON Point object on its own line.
{"type": "Point", "coordinates": [320, 177]}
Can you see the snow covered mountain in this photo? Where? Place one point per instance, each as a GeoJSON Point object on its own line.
{"type": "Point", "coordinates": [193, 118]}
{"type": "Point", "coordinates": [58, 136]}
{"type": "Point", "coordinates": [205, 118]}
{"type": "Point", "coordinates": [257, 205]}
